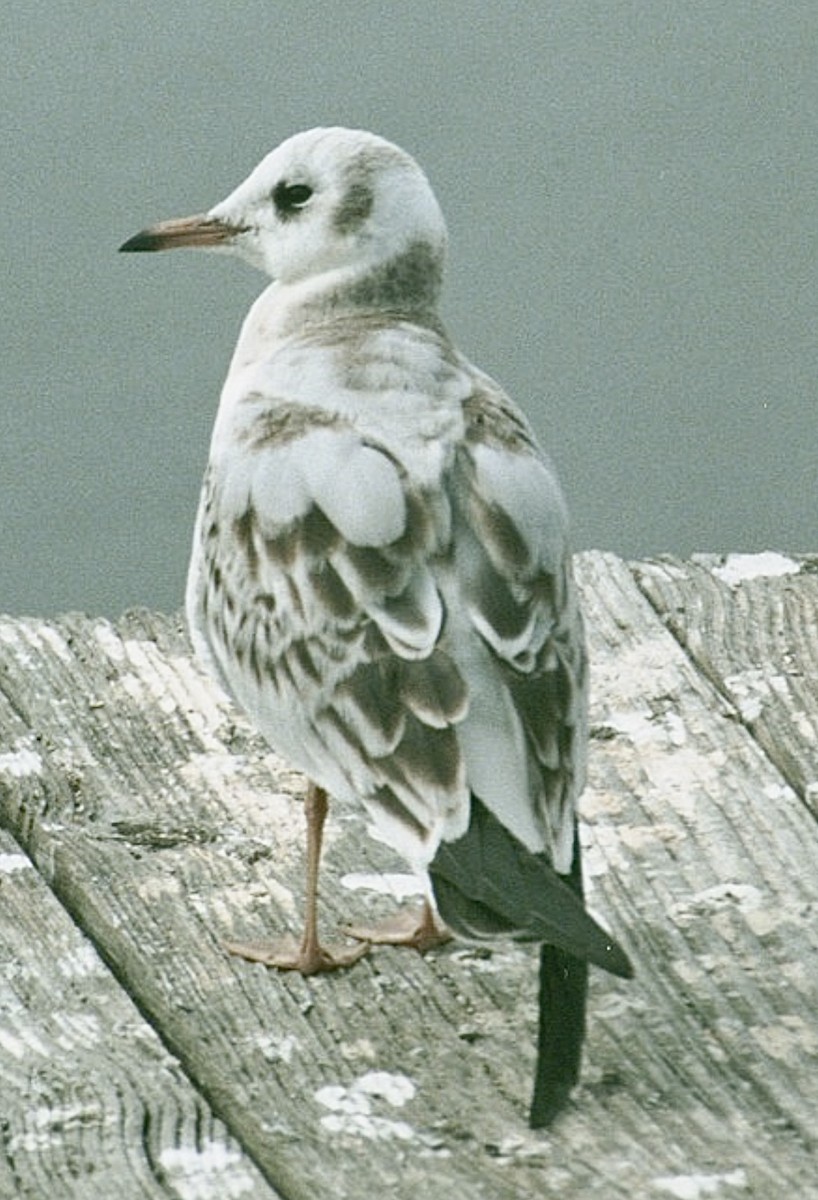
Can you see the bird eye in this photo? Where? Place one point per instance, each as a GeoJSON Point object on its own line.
{"type": "Point", "coordinates": [289, 197]}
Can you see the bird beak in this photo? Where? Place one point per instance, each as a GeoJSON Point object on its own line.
{"type": "Point", "coordinates": [200, 230]}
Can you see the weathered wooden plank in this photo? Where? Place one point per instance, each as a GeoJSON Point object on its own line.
{"type": "Point", "coordinates": [92, 1105]}
{"type": "Point", "coordinates": [715, 865]}
{"type": "Point", "coordinates": [164, 826]}
{"type": "Point", "coordinates": [750, 623]}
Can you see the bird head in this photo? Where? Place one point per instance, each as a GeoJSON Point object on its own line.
{"type": "Point", "coordinates": [325, 201]}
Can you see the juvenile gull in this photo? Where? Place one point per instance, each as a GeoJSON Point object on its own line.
{"type": "Point", "coordinates": [381, 575]}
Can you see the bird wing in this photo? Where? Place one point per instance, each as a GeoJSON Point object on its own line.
{"type": "Point", "coordinates": [525, 739]}
{"type": "Point", "coordinates": [315, 591]}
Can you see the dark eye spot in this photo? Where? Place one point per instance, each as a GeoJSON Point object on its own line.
{"type": "Point", "coordinates": [290, 197]}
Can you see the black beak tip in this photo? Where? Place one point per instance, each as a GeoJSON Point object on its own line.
{"type": "Point", "coordinates": [144, 240]}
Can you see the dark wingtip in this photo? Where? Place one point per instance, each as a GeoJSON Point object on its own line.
{"type": "Point", "coordinates": [616, 961]}
{"type": "Point", "coordinates": [487, 884]}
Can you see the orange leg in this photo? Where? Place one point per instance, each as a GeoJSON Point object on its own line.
{"type": "Point", "coordinates": [307, 956]}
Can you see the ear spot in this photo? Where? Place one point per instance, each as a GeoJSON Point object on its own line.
{"type": "Point", "coordinates": [354, 208]}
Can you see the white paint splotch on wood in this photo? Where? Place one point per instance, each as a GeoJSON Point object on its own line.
{"type": "Point", "coordinates": [164, 826]}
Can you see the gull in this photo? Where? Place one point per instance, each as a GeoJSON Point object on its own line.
{"type": "Point", "coordinates": [381, 575]}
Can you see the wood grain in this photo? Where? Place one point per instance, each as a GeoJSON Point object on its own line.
{"type": "Point", "coordinates": [93, 1106]}
{"type": "Point", "coordinates": [756, 637]}
{"type": "Point", "coordinates": [163, 825]}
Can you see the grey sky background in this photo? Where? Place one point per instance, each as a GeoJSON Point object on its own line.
{"type": "Point", "coordinates": [631, 188]}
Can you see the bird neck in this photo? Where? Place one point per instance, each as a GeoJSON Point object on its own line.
{"type": "Point", "coordinates": [404, 287]}
{"type": "Point", "coordinates": [408, 282]}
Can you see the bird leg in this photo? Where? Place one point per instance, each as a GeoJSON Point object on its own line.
{"type": "Point", "coordinates": [307, 956]}
{"type": "Point", "coordinates": [419, 928]}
